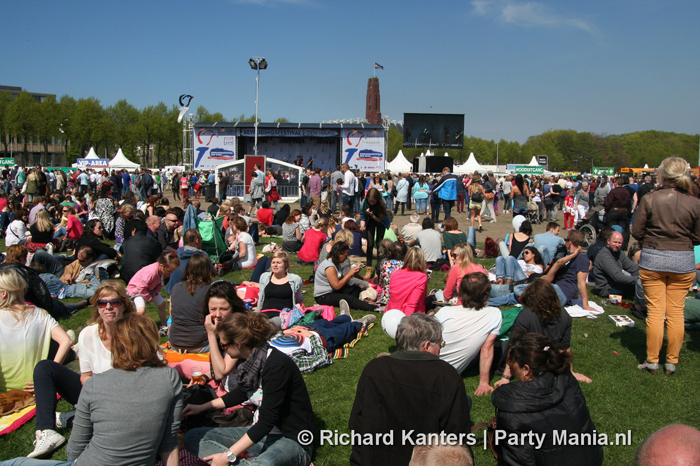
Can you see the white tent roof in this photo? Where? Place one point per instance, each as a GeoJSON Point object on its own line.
{"type": "Point", "coordinates": [120, 161]}
{"type": "Point", "coordinates": [533, 162]}
{"type": "Point", "coordinates": [92, 154]}
{"type": "Point", "coordinates": [399, 164]}
{"type": "Point", "coordinates": [470, 166]}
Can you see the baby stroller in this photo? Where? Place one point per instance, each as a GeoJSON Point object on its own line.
{"type": "Point", "coordinates": [591, 225]}
{"type": "Point", "coordinates": [533, 212]}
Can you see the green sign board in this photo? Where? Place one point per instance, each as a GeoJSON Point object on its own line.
{"type": "Point", "coordinates": [529, 170]}
{"type": "Point", "coordinates": [7, 161]}
{"type": "Point", "coordinates": [600, 171]}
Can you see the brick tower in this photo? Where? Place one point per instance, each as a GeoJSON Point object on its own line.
{"type": "Point", "coordinates": [373, 111]}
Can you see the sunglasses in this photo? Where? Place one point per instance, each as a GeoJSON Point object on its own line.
{"type": "Point", "coordinates": [224, 346]}
{"type": "Point", "coordinates": [442, 343]}
{"type": "Point", "coordinates": [102, 303]}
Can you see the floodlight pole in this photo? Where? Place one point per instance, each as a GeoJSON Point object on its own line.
{"type": "Point", "coordinates": [257, 63]}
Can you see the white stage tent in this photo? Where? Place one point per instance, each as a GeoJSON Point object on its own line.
{"type": "Point", "coordinates": [533, 162]}
{"type": "Point", "coordinates": [470, 166]}
{"type": "Point", "coordinates": [120, 162]}
{"type": "Point", "coordinates": [399, 164]}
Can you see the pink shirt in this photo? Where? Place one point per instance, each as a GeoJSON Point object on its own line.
{"type": "Point", "coordinates": [407, 291]}
{"type": "Point", "coordinates": [147, 283]}
{"type": "Point", "coordinates": [74, 229]}
{"type": "Point", "coordinates": [454, 279]}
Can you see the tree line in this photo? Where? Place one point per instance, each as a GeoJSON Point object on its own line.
{"type": "Point", "coordinates": [153, 136]}
{"type": "Point", "coordinates": [570, 150]}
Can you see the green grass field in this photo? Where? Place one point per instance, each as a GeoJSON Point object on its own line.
{"type": "Point", "coordinates": [620, 399]}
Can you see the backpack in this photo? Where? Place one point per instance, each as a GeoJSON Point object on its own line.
{"type": "Point", "coordinates": [477, 196]}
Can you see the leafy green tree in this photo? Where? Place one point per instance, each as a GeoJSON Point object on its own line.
{"type": "Point", "coordinates": [22, 118]}
{"type": "Point", "coordinates": [48, 121]}
{"type": "Point", "coordinates": [5, 132]}
{"type": "Point", "coordinates": [124, 117]}
{"type": "Point", "coordinates": [90, 125]}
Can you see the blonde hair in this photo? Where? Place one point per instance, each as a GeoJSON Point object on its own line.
{"type": "Point", "coordinates": [414, 260]}
{"type": "Point", "coordinates": [345, 236]}
{"type": "Point", "coordinates": [464, 252]}
{"type": "Point", "coordinates": [281, 255]}
{"type": "Point", "coordinates": [15, 285]}
{"type": "Point", "coordinates": [43, 221]}
{"type": "Point", "coordinates": [674, 171]}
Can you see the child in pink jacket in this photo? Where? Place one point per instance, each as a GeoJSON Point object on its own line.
{"type": "Point", "coordinates": [145, 286]}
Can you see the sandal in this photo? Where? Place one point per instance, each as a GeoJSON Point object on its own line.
{"type": "Point", "coordinates": [652, 367]}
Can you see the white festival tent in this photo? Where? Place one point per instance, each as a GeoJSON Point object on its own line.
{"type": "Point", "coordinates": [120, 161]}
{"type": "Point", "coordinates": [399, 164]}
{"type": "Point", "coordinates": [533, 162]}
{"type": "Point", "coordinates": [92, 154]}
{"type": "Point", "coordinates": [470, 166]}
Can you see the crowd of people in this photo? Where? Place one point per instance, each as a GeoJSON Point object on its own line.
{"type": "Point", "coordinates": [256, 353]}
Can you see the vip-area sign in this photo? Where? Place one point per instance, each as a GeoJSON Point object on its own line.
{"type": "Point", "coordinates": [364, 149]}
{"type": "Point", "coordinates": [93, 163]}
{"type": "Point", "coordinates": [213, 146]}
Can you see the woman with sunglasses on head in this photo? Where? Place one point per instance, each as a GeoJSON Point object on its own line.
{"type": "Point", "coordinates": [463, 265]}
{"type": "Point", "coordinates": [509, 269]}
{"type": "Point", "coordinates": [104, 430]}
{"type": "Point", "coordinates": [278, 389]}
{"type": "Point", "coordinates": [547, 400]}
{"type": "Point", "coordinates": [110, 304]}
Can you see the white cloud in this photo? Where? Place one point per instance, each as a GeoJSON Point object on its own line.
{"type": "Point", "coordinates": [528, 14]}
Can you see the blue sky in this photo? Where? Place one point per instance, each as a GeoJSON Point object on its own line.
{"type": "Point", "coordinates": [522, 67]}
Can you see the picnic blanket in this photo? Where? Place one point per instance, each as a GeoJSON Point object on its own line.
{"type": "Point", "coordinates": [14, 421]}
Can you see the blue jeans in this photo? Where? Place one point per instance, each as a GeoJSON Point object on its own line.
{"type": "Point", "coordinates": [421, 205]}
{"type": "Point", "coordinates": [336, 332]}
{"type": "Point", "coordinates": [34, 462]}
{"type": "Point", "coordinates": [348, 200]}
{"type": "Point", "coordinates": [508, 268]}
{"type": "Point", "coordinates": [5, 219]}
{"type": "Point", "coordinates": [50, 263]}
{"type": "Point", "coordinates": [272, 450]}
{"type": "Point", "coordinates": [389, 202]}
{"type": "Point", "coordinates": [60, 232]}
{"type": "Point", "coordinates": [501, 295]}
{"type": "Point", "coordinates": [471, 237]}
{"type": "Point", "coordinates": [77, 290]}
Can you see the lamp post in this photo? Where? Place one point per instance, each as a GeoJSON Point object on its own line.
{"type": "Point", "coordinates": [257, 64]}
{"type": "Point", "coordinates": [498, 140]}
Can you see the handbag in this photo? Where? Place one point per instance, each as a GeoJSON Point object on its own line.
{"type": "Point", "coordinates": [489, 196]}
{"type": "Point", "coordinates": [532, 206]}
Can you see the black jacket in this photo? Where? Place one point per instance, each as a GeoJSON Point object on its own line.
{"type": "Point", "coordinates": [550, 405]}
{"type": "Point", "coordinates": [138, 252]}
{"type": "Point", "coordinates": [37, 292]}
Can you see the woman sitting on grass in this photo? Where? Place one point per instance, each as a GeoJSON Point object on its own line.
{"type": "Point", "coordinates": [546, 400]}
{"type": "Point", "coordinates": [242, 246]}
{"type": "Point", "coordinates": [110, 304]}
{"type": "Point", "coordinates": [509, 269]}
{"type": "Point", "coordinates": [279, 289]}
{"type": "Point", "coordinates": [144, 287]}
{"type": "Point", "coordinates": [220, 302]}
{"type": "Point", "coordinates": [390, 263]}
{"type": "Point", "coordinates": [105, 430]}
{"type": "Point", "coordinates": [452, 235]}
{"type": "Point", "coordinates": [542, 313]}
{"type": "Point", "coordinates": [332, 287]}
{"type": "Point", "coordinates": [464, 264]}
{"type": "Point", "coordinates": [407, 289]}
{"type": "Point", "coordinates": [313, 241]}
{"type": "Point", "coordinates": [92, 236]}
{"type": "Point", "coordinates": [284, 412]}
{"type": "Point", "coordinates": [292, 235]}
{"type": "Point", "coordinates": [41, 232]}
{"type": "Point", "coordinates": [187, 334]}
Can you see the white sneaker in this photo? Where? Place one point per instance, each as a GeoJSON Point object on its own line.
{"type": "Point", "coordinates": [47, 441]}
{"type": "Point", "coordinates": [64, 420]}
{"type": "Point", "coordinates": [368, 319]}
{"type": "Point", "coordinates": [344, 308]}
